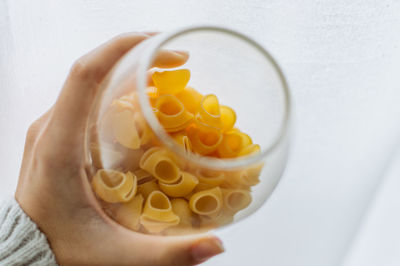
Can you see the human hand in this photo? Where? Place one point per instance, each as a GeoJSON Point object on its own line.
{"type": "Point", "coordinates": [54, 189]}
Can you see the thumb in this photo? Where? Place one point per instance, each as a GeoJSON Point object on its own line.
{"type": "Point", "coordinates": [187, 250]}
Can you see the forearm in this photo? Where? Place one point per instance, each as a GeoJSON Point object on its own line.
{"type": "Point", "coordinates": [21, 241]}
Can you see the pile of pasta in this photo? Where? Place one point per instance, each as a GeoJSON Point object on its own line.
{"type": "Point", "coordinates": [147, 187]}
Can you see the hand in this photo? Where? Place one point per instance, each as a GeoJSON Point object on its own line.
{"type": "Point", "coordinates": [54, 190]}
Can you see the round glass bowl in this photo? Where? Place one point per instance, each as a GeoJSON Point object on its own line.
{"type": "Point", "coordinates": [188, 148]}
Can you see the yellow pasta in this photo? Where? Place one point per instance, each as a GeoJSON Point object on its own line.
{"type": "Point", "coordinates": [172, 113]}
{"type": "Point", "coordinates": [228, 117]}
{"type": "Point", "coordinates": [114, 186]}
{"type": "Point", "coordinates": [209, 111]}
{"type": "Point", "coordinates": [249, 150]}
{"type": "Point", "coordinates": [181, 208]}
{"type": "Point", "coordinates": [160, 165]}
{"type": "Point", "coordinates": [206, 202]}
{"type": "Point", "coordinates": [204, 142]}
{"type": "Point", "coordinates": [105, 156]}
{"type": "Point", "coordinates": [146, 188]}
{"type": "Point", "coordinates": [183, 140]}
{"type": "Point", "coordinates": [171, 82]}
{"type": "Point", "coordinates": [244, 178]}
{"type": "Point", "coordinates": [182, 187]}
{"type": "Point", "coordinates": [231, 144]}
{"type": "Point", "coordinates": [190, 98]}
{"type": "Point", "coordinates": [128, 214]}
{"type": "Point", "coordinates": [219, 220]}
{"type": "Point", "coordinates": [124, 129]}
{"type": "Point", "coordinates": [157, 213]}
{"type": "Point", "coordinates": [210, 177]}
{"type": "Point", "coordinates": [235, 199]}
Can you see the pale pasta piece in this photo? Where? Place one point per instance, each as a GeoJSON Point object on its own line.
{"type": "Point", "coordinates": [204, 142]}
{"type": "Point", "coordinates": [105, 156]}
{"type": "Point", "coordinates": [183, 140]}
{"type": "Point", "coordinates": [182, 187]}
{"type": "Point", "coordinates": [250, 150]}
{"type": "Point", "coordinates": [161, 166]}
{"type": "Point", "coordinates": [207, 202]}
{"type": "Point", "coordinates": [171, 82]}
{"type": "Point", "coordinates": [231, 144]}
{"type": "Point", "coordinates": [221, 219]}
{"type": "Point", "coordinates": [209, 111]}
{"type": "Point", "coordinates": [228, 117]}
{"type": "Point", "coordinates": [190, 98]}
{"type": "Point", "coordinates": [124, 129]}
{"type": "Point", "coordinates": [128, 213]}
{"type": "Point", "coordinates": [244, 178]}
{"type": "Point", "coordinates": [210, 177]}
{"type": "Point", "coordinates": [172, 114]}
{"type": "Point", "coordinates": [181, 208]}
{"type": "Point", "coordinates": [114, 186]}
{"type": "Point", "coordinates": [157, 213]}
{"type": "Point", "coordinates": [235, 199]}
{"type": "Point", "coordinates": [146, 188]}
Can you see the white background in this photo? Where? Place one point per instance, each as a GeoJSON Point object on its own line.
{"type": "Point", "coordinates": [342, 60]}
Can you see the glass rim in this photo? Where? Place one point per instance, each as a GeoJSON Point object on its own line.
{"type": "Point", "coordinates": [147, 59]}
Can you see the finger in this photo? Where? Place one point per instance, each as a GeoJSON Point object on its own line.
{"type": "Point", "coordinates": [31, 137]}
{"type": "Point", "coordinates": [170, 59]}
{"type": "Point", "coordinates": [76, 98]}
{"type": "Point", "coordinates": [186, 250]}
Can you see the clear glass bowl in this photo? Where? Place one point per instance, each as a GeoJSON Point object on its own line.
{"type": "Point", "coordinates": [182, 192]}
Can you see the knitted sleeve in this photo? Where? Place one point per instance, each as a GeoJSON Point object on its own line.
{"type": "Point", "coordinates": [21, 241]}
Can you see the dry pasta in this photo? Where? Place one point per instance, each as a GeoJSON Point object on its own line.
{"type": "Point", "coordinates": [157, 213]}
{"type": "Point", "coordinates": [206, 202]}
{"type": "Point", "coordinates": [235, 199]}
{"type": "Point", "coordinates": [146, 188]}
{"type": "Point", "coordinates": [172, 113]}
{"type": "Point", "coordinates": [181, 208]}
{"type": "Point", "coordinates": [209, 111]}
{"type": "Point", "coordinates": [128, 214]}
{"type": "Point", "coordinates": [171, 82]}
{"type": "Point", "coordinates": [190, 98]}
{"type": "Point", "coordinates": [160, 165]}
{"type": "Point", "coordinates": [213, 178]}
{"type": "Point", "coordinates": [182, 187]}
{"type": "Point", "coordinates": [114, 186]}
{"type": "Point", "coordinates": [104, 156]}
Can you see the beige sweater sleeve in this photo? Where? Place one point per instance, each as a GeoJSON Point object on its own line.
{"type": "Point", "coordinates": [21, 241]}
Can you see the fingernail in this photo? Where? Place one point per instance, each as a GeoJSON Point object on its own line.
{"type": "Point", "coordinates": [206, 249]}
{"type": "Point", "coordinates": [185, 54]}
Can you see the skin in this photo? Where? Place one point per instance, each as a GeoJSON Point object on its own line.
{"type": "Point", "coordinates": [54, 190]}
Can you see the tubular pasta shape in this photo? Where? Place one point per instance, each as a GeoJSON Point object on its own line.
{"type": "Point", "coordinates": [190, 98]}
{"type": "Point", "coordinates": [206, 202]}
{"type": "Point", "coordinates": [211, 222]}
{"type": "Point", "coordinates": [235, 199]}
{"type": "Point", "coordinates": [204, 141]}
{"type": "Point", "coordinates": [114, 186]}
{"type": "Point", "coordinates": [146, 188]}
{"type": "Point", "coordinates": [183, 140]}
{"type": "Point", "coordinates": [209, 111]}
{"type": "Point", "coordinates": [157, 213]}
{"type": "Point", "coordinates": [172, 114]}
{"type": "Point", "coordinates": [228, 117]}
{"type": "Point", "coordinates": [249, 150]}
{"type": "Point", "coordinates": [184, 186]}
{"type": "Point", "coordinates": [181, 208]}
{"type": "Point", "coordinates": [160, 165]}
{"type": "Point", "coordinates": [171, 82]}
{"type": "Point", "coordinates": [231, 144]}
{"type": "Point", "coordinates": [128, 214]}
{"type": "Point", "coordinates": [124, 129]}
{"type": "Point", "coordinates": [209, 177]}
